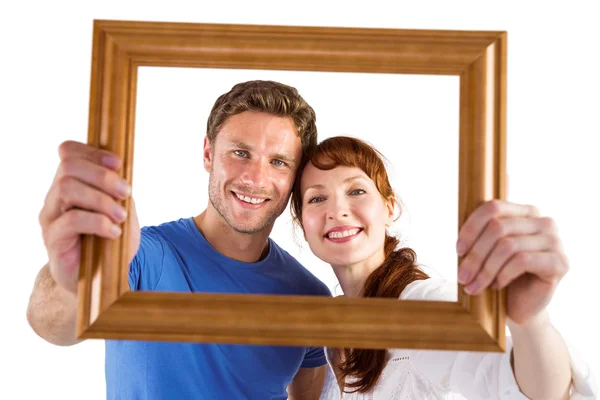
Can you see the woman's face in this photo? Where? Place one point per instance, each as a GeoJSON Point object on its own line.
{"type": "Point", "coordinates": [344, 216]}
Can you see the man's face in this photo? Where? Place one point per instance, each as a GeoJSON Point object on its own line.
{"type": "Point", "coordinates": [252, 164]}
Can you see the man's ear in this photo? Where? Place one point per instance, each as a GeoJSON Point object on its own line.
{"type": "Point", "coordinates": [207, 153]}
{"type": "Point", "coordinates": [391, 205]}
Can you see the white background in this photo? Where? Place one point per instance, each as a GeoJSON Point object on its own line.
{"type": "Point", "coordinates": [412, 119]}
{"type": "Point", "coordinates": [553, 106]}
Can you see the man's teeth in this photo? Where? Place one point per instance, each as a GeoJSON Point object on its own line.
{"type": "Point", "coordinates": [342, 234]}
{"type": "Point", "coordinates": [251, 200]}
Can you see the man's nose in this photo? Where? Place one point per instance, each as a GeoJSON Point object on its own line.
{"type": "Point", "coordinates": [255, 174]}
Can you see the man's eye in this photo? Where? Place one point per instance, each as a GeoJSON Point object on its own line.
{"type": "Point", "coordinates": [240, 153]}
{"type": "Point", "coordinates": [279, 163]}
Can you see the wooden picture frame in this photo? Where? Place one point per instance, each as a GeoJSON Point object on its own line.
{"type": "Point", "coordinates": [108, 309]}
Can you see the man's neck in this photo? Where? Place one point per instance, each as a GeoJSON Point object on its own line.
{"type": "Point", "coordinates": [244, 247]}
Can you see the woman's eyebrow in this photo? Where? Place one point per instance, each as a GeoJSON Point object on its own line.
{"type": "Point", "coordinates": [347, 180]}
{"type": "Point", "coordinates": [353, 178]}
{"type": "Point", "coordinates": [317, 186]}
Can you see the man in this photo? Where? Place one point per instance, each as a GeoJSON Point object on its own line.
{"type": "Point", "coordinates": [257, 134]}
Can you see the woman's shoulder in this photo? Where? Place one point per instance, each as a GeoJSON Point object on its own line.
{"type": "Point", "coordinates": [432, 289]}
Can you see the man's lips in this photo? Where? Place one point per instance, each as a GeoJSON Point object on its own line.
{"type": "Point", "coordinates": [248, 199]}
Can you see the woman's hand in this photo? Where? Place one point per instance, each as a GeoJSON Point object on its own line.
{"type": "Point", "coordinates": [503, 244]}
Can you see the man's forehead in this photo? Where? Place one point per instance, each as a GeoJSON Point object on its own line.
{"type": "Point", "coordinates": [280, 136]}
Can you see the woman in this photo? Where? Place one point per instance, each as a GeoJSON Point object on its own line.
{"type": "Point", "coordinates": [344, 203]}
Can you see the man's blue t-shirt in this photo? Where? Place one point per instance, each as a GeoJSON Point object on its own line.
{"type": "Point", "coordinates": [175, 257]}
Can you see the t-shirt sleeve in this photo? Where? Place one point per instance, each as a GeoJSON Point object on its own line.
{"type": "Point", "coordinates": [314, 357]}
{"type": "Point", "coordinates": [146, 267]}
{"type": "Point", "coordinates": [490, 375]}
{"type": "Point", "coordinates": [432, 289]}
{"type": "Point", "coordinates": [480, 375]}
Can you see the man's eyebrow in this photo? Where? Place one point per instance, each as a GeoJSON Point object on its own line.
{"type": "Point", "coordinates": [347, 180]}
{"type": "Point", "coordinates": [283, 157]}
{"type": "Point", "coordinates": [240, 145]}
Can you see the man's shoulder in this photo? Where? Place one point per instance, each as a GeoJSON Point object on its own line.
{"type": "Point", "coordinates": [172, 224]}
{"type": "Point", "coordinates": [291, 262]}
{"type": "Point", "coordinates": [166, 235]}
{"type": "Point", "coordinates": [168, 228]}
{"type": "Point", "coordinates": [303, 276]}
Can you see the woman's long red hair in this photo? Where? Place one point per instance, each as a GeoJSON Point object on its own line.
{"type": "Point", "coordinates": [397, 271]}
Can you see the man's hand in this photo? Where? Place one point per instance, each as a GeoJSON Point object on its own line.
{"type": "Point", "coordinates": [83, 199]}
{"type": "Point", "coordinates": [509, 245]}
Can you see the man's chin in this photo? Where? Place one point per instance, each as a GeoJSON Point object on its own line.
{"type": "Point", "coordinates": [251, 225]}
{"type": "Point", "coordinates": [249, 229]}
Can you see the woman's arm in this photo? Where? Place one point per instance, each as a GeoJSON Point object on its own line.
{"type": "Point", "coordinates": [507, 245]}
{"type": "Point", "coordinates": [541, 362]}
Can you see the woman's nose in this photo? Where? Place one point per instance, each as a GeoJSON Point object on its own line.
{"type": "Point", "coordinates": [338, 209]}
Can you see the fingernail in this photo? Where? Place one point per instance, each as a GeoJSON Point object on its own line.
{"type": "Point", "coordinates": [461, 248]}
{"type": "Point", "coordinates": [472, 288]}
{"type": "Point", "coordinates": [463, 276]}
{"type": "Point", "coordinates": [120, 213]}
{"type": "Point", "coordinates": [115, 230]}
{"type": "Point", "coordinates": [123, 188]}
{"type": "Point", "coordinates": [110, 161]}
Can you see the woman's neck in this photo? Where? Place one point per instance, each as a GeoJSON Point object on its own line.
{"type": "Point", "coordinates": [352, 277]}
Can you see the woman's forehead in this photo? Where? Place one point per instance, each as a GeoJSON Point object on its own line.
{"type": "Point", "coordinates": [312, 175]}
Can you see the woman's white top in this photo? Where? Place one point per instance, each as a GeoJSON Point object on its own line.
{"type": "Point", "coordinates": [432, 374]}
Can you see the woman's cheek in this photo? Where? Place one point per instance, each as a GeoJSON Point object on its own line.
{"type": "Point", "coordinates": [308, 221]}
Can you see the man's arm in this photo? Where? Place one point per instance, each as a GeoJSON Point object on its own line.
{"type": "Point", "coordinates": [83, 199]}
{"type": "Point", "coordinates": [51, 311]}
{"type": "Point", "coordinates": [307, 384]}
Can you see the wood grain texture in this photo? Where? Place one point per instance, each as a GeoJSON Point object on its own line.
{"type": "Point", "coordinates": [108, 309]}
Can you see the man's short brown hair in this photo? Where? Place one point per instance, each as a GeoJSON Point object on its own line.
{"type": "Point", "coordinates": [269, 97]}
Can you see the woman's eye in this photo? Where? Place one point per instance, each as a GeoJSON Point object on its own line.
{"type": "Point", "coordinates": [316, 199]}
{"type": "Point", "coordinates": [358, 191]}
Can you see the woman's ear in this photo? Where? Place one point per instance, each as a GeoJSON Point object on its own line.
{"type": "Point", "coordinates": [391, 206]}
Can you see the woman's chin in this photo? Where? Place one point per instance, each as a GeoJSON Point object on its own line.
{"type": "Point", "coordinates": [336, 261]}
{"type": "Point", "coordinates": [340, 259]}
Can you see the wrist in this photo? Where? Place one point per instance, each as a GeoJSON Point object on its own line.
{"type": "Point", "coordinates": [533, 325]}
